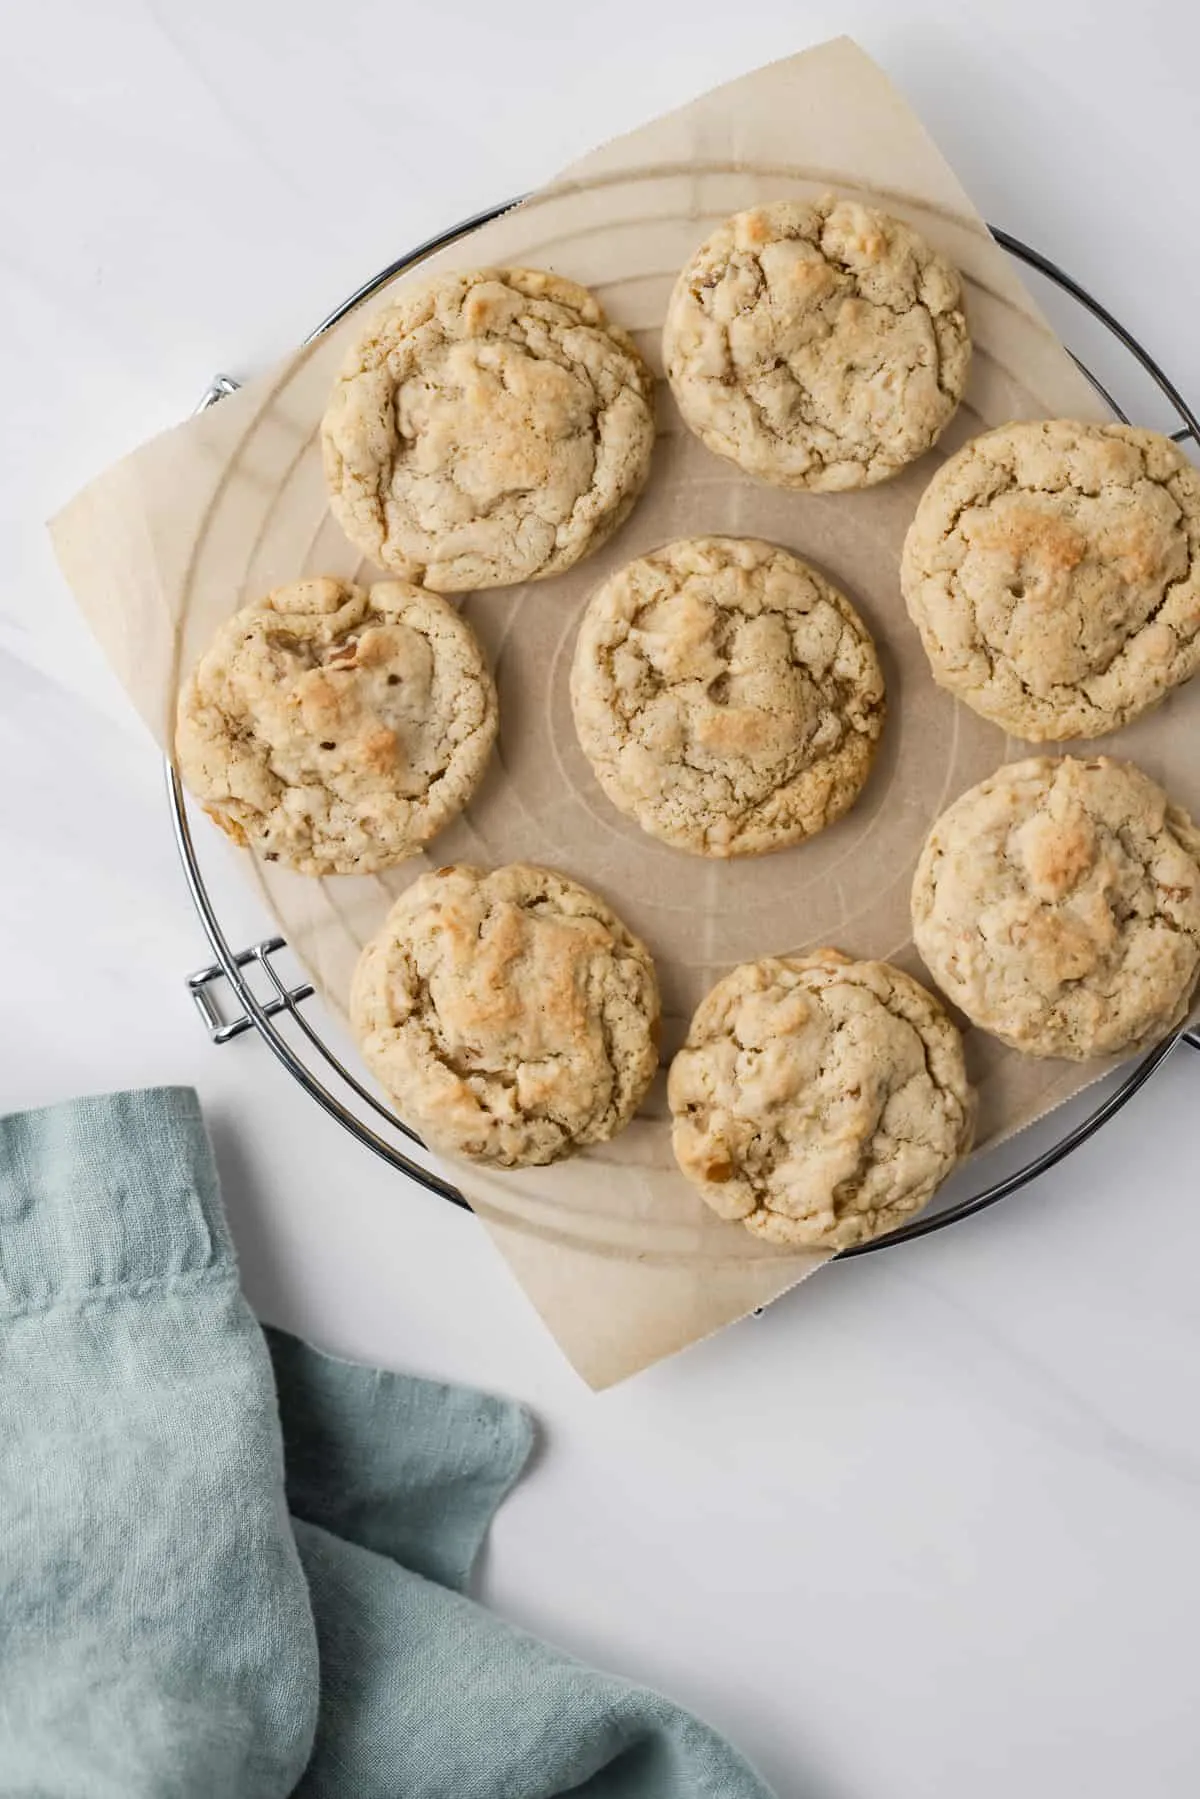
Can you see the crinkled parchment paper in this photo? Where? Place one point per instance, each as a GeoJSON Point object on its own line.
{"type": "Point", "coordinates": [619, 1256]}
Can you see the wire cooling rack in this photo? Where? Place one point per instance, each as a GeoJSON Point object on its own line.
{"type": "Point", "coordinates": [268, 1002]}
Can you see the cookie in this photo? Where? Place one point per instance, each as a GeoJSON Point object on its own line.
{"type": "Point", "coordinates": [1053, 571]}
{"type": "Point", "coordinates": [822, 347]}
{"type": "Point", "coordinates": [511, 1015]}
{"type": "Point", "coordinates": [820, 1101]}
{"type": "Point", "coordinates": [727, 696]}
{"type": "Point", "coordinates": [1058, 904]}
{"type": "Point", "coordinates": [336, 729]}
{"type": "Point", "coordinates": [487, 428]}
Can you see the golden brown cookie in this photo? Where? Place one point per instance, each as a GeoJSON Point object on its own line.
{"type": "Point", "coordinates": [1058, 904]}
{"type": "Point", "coordinates": [511, 1015]}
{"type": "Point", "coordinates": [335, 729]}
{"type": "Point", "coordinates": [820, 1101]}
{"type": "Point", "coordinates": [818, 346]}
{"type": "Point", "coordinates": [1053, 571]}
{"type": "Point", "coordinates": [487, 428]}
{"type": "Point", "coordinates": [727, 696]}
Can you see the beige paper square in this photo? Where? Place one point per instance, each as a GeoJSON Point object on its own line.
{"type": "Point", "coordinates": [621, 1259]}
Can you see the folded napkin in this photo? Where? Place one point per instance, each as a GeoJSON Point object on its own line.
{"type": "Point", "coordinates": [230, 1565]}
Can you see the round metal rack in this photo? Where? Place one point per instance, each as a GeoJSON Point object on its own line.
{"type": "Point", "coordinates": [270, 1005]}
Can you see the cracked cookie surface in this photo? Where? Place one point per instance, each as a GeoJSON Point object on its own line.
{"type": "Point", "coordinates": [487, 428]}
{"type": "Point", "coordinates": [817, 346]}
{"type": "Point", "coordinates": [511, 1015]}
{"type": "Point", "coordinates": [819, 1100]}
{"type": "Point", "coordinates": [1058, 904]}
{"type": "Point", "coordinates": [1053, 571]}
{"type": "Point", "coordinates": [337, 729]}
{"type": "Point", "coordinates": [727, 696]}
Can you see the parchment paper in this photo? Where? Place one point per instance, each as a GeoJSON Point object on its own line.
{"type": "Point", "coordinates": [622, 1260]}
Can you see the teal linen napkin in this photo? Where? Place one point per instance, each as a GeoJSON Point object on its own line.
{"type": "Point", "coordinates": [181, 1618]}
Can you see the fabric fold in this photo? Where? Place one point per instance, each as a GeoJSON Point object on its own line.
{"type": "Point", "coordinates": [411, 1468]}
{"type": "Point", "coordinates": [167, 1631]}
{"type": "Point", "coordinates": [109, 1191]}
{"type": "Point", "coordinates": [156, 1636]}
{"type": "Point", "coordinates": [425, 1695]}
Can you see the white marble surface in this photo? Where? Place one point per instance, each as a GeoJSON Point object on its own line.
{"type": "Point", "coordinates": [929, 1528]}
